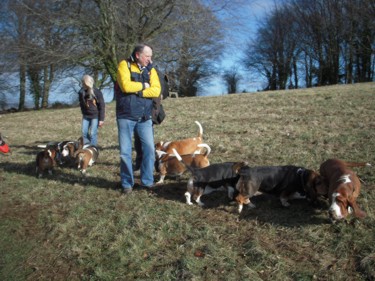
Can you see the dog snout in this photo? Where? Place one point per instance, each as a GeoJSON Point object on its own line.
{"type": "Point", "coordinates": [334, 214]}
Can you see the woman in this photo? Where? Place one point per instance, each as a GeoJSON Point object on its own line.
{"type": "Point", "coordinates": [93, 110]}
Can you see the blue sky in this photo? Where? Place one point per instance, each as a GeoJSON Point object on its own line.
{"type": "Point", "coordinates": [237, 38]}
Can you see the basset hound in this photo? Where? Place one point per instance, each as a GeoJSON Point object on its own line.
{"type": "Point", "coordinates": [211, 178]}
{"type": "Point", "coordinates": [343, 188]}
{"type": "Point", "coordinates": [184, 146]}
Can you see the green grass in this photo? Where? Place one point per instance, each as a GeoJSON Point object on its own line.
{"type": "Point", "coordinates": [62, 228]}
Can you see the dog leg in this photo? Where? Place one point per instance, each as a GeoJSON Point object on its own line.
{"type": "Point", "coordinates": [250, 204]}
{"type": "Point", "coordinates": [161, 181]}
{"type": "Point", "coordinates": [39, 172]}
{"type": "Point", "coordinates": [247, 203]}
{"type": "Point", "coordinates": [50, 172]}
{"type": "Point", "coordinates": [243, 200]}
{"type": "Point", "coordinates": [208, 189]}
{"type": "Point", "coordinates": [240, 207]}
{"type": "Point", "coordinates": [284, 199]}
{"type": "Point", "coordinates": [230, 192]}
{"type": "Point", "coordinates": [199, 202]}
{"type": "Point", "coordinates": [296, 195]}
{"type": "Point", "coordinates": [188, 198]}
{"type": "Point", "coordinates": [284, 202]}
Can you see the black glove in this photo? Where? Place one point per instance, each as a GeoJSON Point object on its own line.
{"type": "Point", "coordinates": [146, 73]}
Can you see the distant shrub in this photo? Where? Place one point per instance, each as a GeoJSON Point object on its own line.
{"type": "Point", "coordinates": [59, 105]}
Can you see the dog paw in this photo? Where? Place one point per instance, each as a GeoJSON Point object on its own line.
{"type": "Point", "coordinates": [285, 203]}
{"type": "Point", "coordinates": [251, 206]}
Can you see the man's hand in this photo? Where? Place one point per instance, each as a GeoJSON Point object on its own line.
{"type": "Point", "coordinates": [101, 123]}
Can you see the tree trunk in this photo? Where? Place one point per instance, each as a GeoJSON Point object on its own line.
{"type": "Point", "coordinates": [21, 105]}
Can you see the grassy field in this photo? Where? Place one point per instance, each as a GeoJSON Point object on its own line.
{"type": "Point", "coordinates": [62, 228]}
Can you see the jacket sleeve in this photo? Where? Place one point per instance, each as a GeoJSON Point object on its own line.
{"type": "Point", "coordinates": [155, 87]}
{"type": "Point", "coordinates": [101, 105]}
{"type": "Point", "coordinates": [124, 80]}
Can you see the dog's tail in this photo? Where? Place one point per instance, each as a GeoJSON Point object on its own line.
{"type": "Point", "coordinates": [42, 146]}
{"type": "Point", "coordinates": [357, 164]}
{"type": "Point", "coordinates": [207, 147]}
{"type": "Point", "coordinates": [179, 158]}
{"type": "Point", "coordinates": [200, 133]}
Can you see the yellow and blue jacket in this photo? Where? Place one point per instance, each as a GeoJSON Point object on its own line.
{"type": "Point", "coordinates": [133, 101]}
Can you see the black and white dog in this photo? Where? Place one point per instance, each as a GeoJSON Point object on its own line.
{"type": "Point", "coordinates": [211, 178]}
{"type": "Point", "coordinates": [287, 182]}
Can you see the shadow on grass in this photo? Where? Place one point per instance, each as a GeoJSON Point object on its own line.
{"type": "Point", "coordinates": [58, 175]}
{"type": "Point", "coordinates": [30, 150]}
{"type": "Point", "coordinates": [300, 212]}
{"type": "Point", "coordinates": [268, 208]}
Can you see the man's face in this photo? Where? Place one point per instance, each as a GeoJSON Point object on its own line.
{"type": "Point", "coordinates": [145, 57]}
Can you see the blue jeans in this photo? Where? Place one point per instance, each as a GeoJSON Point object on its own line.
{"type": "Point", "coordinates": [126, 129]}
{"type": "Point", "coordinates": [90, 130]}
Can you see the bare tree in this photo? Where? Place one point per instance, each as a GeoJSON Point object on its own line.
{"type": "Point", "coordinates": [330, 41]}
{"type": "Point", "coordinates": [273, 52]}
{"type": "Point", "coordinates": [336, 39]}
{"type": "Point", "coordinates": [52, 36]}
{"type": "Point", "coordinates": [38, 42]}
{"type": "Point", "coordinates": [232, 78]}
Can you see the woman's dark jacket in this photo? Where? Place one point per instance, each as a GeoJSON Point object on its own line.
{"type": "Point", "coordinates": [92, 107]}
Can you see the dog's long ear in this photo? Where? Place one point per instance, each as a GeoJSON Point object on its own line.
{"type": "Point", "coordinates": [356, 210]}
{"type": "Point", "coordinates": [160, 154]}
{"type": "Point", "coordinates": [159, 145]}
{"type": "Point", "coordinates": [315, 185]}
{"type": "Point", "coordinates": [322, 186]}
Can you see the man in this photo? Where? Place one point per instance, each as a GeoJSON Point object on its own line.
{"type": "Point", "coordinates": [138, 83]}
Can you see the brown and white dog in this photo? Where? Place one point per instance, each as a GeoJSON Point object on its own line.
{"type": "Point", "coordinates": [211, 178]}
{"type": "Point", "coordinates": [86, 157]}
{"type": "Point", "coordinates": [184, 146]}
{"type": "Point", "coordinates": [68, 150]}
{"type": "Point", "coordinates": [286, 182]}
{"type": "Point", "coordinates": [343, 188]}
{"type": "Point", "coordinates": [168, 164]}
{"type": "Point", "coordinates": [45, 161]}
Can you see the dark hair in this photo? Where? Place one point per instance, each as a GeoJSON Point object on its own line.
{"type": "Point", "coordinates": [138, 49]}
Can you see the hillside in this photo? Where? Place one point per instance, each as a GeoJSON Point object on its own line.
{"type": "Point", "coordinates": [63, 228]}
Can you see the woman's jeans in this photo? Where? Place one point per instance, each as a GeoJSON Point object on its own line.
{"type": "Point", "coordinates": [90, 130]}
{"type": "Point", "coordinates": [144, 129]}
